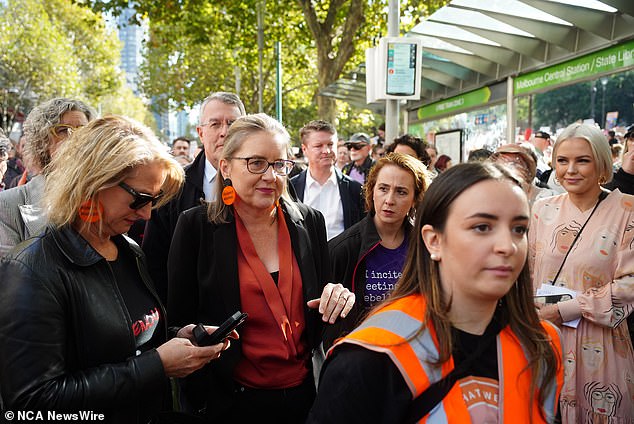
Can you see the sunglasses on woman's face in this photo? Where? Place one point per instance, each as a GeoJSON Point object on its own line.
{"type": "Point", "coordinates": [140, 199]}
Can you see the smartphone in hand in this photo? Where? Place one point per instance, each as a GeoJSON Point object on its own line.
{"type": "Point", "coordinates": [205, 339]}
{"type": "Point", "coordinates": [552, 298]}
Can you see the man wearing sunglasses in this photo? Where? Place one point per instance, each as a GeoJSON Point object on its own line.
{"type": "Point", "coordinates": [361, 161]}
{"type": "Point", "coordinates": [217, 113]}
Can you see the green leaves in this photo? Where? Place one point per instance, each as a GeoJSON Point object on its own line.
{"type": "Point", "coordinates": [58, 48]}
{"type": "Point", "coordinates": [199, 46]}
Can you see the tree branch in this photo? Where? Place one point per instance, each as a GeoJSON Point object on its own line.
{"type": "Point", "coordinates": [311, 18]}
{"type": "Point", "coordinates": [332, 15]}
{"type": "Point", "coordinates": [346, 46]}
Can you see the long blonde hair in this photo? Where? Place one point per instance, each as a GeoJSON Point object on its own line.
{"type": "Point", "coordinates": [101, 155]}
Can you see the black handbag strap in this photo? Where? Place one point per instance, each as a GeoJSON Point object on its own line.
{"type": "Point", "coordinates": [602, 196]}
{"type": "Point", "coordinates": [436, 392]}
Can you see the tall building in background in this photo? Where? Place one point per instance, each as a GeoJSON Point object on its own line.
{"type": "Point", "coordinates": [131, 37]}
{"type": "Point", "coordinates": [182, 123]}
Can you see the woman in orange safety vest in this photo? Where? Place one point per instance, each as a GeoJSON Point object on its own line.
{"type": "Point", "coordinates": [462, 316]}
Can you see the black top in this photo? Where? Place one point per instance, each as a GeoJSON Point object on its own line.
{"type": "Point", "coordinates": [142, 307]}
{"type": "Point", "coordinates": [360, 386]}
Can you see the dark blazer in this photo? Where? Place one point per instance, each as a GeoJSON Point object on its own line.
{"type": "Point", "coordinates": [160, 228]}
{"type": "Point", "coordinates": [349, 191]}
{"type": "Point", "coordinates": [204, 288]}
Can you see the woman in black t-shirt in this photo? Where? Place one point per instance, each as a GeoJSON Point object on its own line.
{"type": "Point", "coordinates": [81, 326]}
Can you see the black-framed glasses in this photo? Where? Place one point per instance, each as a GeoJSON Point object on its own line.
{"type": "Point", "coordinates": [281, 167]}
{"type": "Point", "coordinates": [140, 199]}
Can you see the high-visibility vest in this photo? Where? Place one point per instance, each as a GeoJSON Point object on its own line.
{"type": "Point", "coordinates": [388, 331]}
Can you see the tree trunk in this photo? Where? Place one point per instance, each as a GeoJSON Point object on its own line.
{"type": "Point", "coordinates": [330, 66]}
{"type": "Point", "coordinates": [327, 109]}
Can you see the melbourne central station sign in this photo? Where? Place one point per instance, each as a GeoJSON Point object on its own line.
{"type": "Point", "coordinates": [604, 61]}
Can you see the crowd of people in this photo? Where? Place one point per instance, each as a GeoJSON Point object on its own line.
{"type": "Point", "coordinates": [382, 281]}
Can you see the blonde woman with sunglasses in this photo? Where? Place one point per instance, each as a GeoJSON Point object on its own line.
{"type": "Point", "coordinates": [82, 326]}
{"type": "Point", "coordinates": [46, 128]}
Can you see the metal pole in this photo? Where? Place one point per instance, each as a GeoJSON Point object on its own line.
{"type": "Point", "coordinates": [278, 85]}
{"type": "Point", "coordinates": [604, 82]}
{"type": "Point", "coordinates": [593, 95]}
{"type": "Point", "coordinates": [391, 106]}
{"type": "Point", "coordinates": [510, 111]}
{"type": "Point", "coordinates": [260, 11]}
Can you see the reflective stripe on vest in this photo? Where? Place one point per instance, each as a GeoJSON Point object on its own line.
{"type": "Point", "coordinates": [387, 331]}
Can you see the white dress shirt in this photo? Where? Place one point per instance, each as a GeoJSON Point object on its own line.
{"type": "Point", "coordinates": [326, 199]}
{"type": "Point", "coordinates": [209, 182]}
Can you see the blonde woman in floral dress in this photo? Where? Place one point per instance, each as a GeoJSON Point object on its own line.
{"type": "Point", "coordinates": [595, 229]}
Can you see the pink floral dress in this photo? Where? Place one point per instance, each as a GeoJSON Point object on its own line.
{"type": "Point", "coordinates": [598, 355]}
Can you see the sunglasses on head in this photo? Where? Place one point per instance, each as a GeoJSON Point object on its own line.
{"type": "Point", "coordinates": [140, 199]}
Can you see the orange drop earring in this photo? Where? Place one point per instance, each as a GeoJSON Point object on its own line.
{"type": "Point", "coordinates": [228, 193]}
{"type": "Point", "coordinates": [90, 211]}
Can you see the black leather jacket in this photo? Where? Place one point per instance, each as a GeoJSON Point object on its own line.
{"type": "Point", "coordinates": [66, 340]}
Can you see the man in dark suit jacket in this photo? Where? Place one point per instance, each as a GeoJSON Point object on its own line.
{"type": "Point", "coordinates": [217, 113]}
{"type": "Point", "coordinates": [323, 186]}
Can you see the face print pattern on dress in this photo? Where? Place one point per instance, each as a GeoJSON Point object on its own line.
{"type": "Point", "coordinates": [629, 383]}
{"type": "Point", "coordinates": [591, 281]}
{"type": "Point", "coordinates": [564, 236]}
{"type": "Point", "coordinates": [603, 400]}
{"type": "Point", "coordinates": [548, 213]}
{"type": "Point", "coordinates": [628, 237]}
{"type": "Point", "coordinates": [592, 354]}
{"type": "Point", "coordinates": [570, 371]}
{"type": "Point", "coordinates": [604, 242]}
{"type": "Point", "coordinates": [561, 280]}
{"type": "Point", "coordinates": [621, 342]}
{"type": "Point", "coordinates": [619, 314]}
{"type": "Point", "coordinates": [627, 202]}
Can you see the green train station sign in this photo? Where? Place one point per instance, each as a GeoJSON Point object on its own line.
{"type": "Point", "coordinates": [464, 101]}
{"type": "Point", "coordinates": [606, 60]}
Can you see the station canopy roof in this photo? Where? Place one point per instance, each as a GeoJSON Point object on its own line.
{"type": "Point", "coordinates": [468, 44]}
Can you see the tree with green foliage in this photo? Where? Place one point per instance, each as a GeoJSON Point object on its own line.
{"type": "Point", "coordinates": [57, 48]}
{"type": "Point", "coordinates": [343, 29]}
{"type": "Point", "coordinates": [198, 46]}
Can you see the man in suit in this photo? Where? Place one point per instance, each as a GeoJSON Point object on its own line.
{"type": "Point", "coordinates": [323, 186]}
{"type": "Point", "coordinates": [217, 113]}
